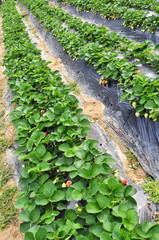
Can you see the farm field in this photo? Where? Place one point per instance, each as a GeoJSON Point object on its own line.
{"type": "Point", "coordinates": [84, 105]}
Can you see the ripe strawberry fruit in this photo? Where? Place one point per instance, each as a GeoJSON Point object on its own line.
{"type": "Point", "coordinates": [45, 134]}
{"type": "Point", "coordinates": [42, 111]}
{"type": "Point", "coordinates": [15, 105]}
{"type": "Point", "coordinates": [124, 181]}
{"type": "Point", "coordinates": [68, 183]}
{"type": "Point", "coordinates": [103, 83]}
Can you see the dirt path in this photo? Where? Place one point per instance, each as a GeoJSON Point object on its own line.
{"type": "Point", "coordinates": [91, 106]}
{"type": "Point", "coordinates": [11, 231]}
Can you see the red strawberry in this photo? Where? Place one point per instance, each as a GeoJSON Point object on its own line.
{"type": "Point", "coordinates": [124, 181]}
{"type": "Point", "coordinates": [42, 111]}
{"type": "Point", "coordinates": [45, 134]}
{"type": "Point", "coordinates": [15, 105]}
{"type": "Point", "coordinates": [68, 183]}
{"type": "Point", "coordinates": [103, 83]}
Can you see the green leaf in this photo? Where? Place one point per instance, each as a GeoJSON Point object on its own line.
{"type": "Point", "coordinates": [81, 237]}
{"type": "Point", "coordinates": [155, 232]}
{"type": "Point", "coordinates": [64, 147]}
{"type": "Point", "coordinates": [41, 200]}
{"type": "Point", "coordinates": [84, 123]}
{"type": "Point", "coordinates": [156, 47]}
{"type": "Point", "coordinates": [61, 206]}
{"type": "Point", "coordinates": [131, 202]}
{"type": "Point", "coordinates": [57, 196]}
{"type": "Point", "coordinates": [24, 227]}
{"type": "Point", "coordinates": [44, 166]}
{"type": "Point", "coordinates": [131, 220]}
{"type": "Point", "coordinates": [150, 104]}
{"type": "Point", "coordinates": [97, 229]}
{"type": "Point", "coordinates": [69, 153]}
{"type": "Point", "coordinates": [47, 157]}
{"type": "Point", "coordinates": [69, 194]}
{"type": "Point", "coordinates": [112, 182]}
{"type": "Point", "coordinates": [116, 230]}
{"type": "Point", "coordinates": [77, 195]}
{"type": "Point", "coordinates": [22, 157]}
{"type": "Point", "coordinates": [104, 216]}
{"type": "Point", "coordinates": [105, 158]}
{"type": "Point", "coordinates": [104, 189]}
{"type": "Point", "coordinates": [129, 191]}
{"type": "Point", "coordinates": [29, 236]}
{"type": "Point", "coordinates": [118, 190]}
{"type": "Point", "coordinates": [71, 215]}
{"type": "Point", "coordinates": [83, 172]}
{"type": "Point", "coordinates": [93, 207]}
{"type": "Point", "coordinates": [48, 188]}
{"type": "Point", "coordinates": [96, 170]}
{"type": "Point", "coordinates": [107, 226]}
{"type": "Point", "coordinates": [94, 187]}
{"type": "Point", "coordinates": [20, 202]}
{"type": "Point", "coordinates": [90, 219]}
{"type": "Point", "coordinates": [105, 236]}
{"type": "Point", "coordinates": [34, 215]}
{"type": "Point", "coordinates": [78, 185]}
{"type": "Point", "coordinates": [120, 211]}
{"type": "Point", "coordinates": [40, 150]}
{"type": "Point", "coordinates": [24, 216]}
{"type": "Point", "coordinates": [41, 234]}
{"type": "Point", "coordinates": [43, 178]}
{"type": "Point", "coordinates": [144, 230]}
{"type": "Point", "coordinates": [37, 136]}
{"type": "Point", "coordinates": [81, 154]}
{"type": "Point", "coordinates": [102, 201]}
{"type": "Point", "coordinates": [24, 172]}
{"type": "Point", "coordinates": [73, 174]}
{"type": "Point", "coordinates": [30, 144]}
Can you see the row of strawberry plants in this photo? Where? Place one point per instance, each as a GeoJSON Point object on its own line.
{"type": "Point", "coordinates": [132, 18]}
{"type": "Point", "coordinates": [139, 89]}
{"type": "Point", "coordinates": [139, 4]}
{"type": "Point", "coordinates": [144, 51]}
{"type": "Point", "coordinates": [60, 164]}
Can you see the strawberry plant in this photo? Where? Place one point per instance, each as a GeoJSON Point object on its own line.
{"type": "Point", "coordinates": [62, 166]}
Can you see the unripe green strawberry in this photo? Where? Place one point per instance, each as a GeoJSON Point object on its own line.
{"type": "Point", "coordinates": [134, 104]}
{"type": "Point", "coordinates": [146, 115]}
{"type": "Point", "coordinates": [63, 185]}
{"type": "Point", "coordinates": [137, 114]}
